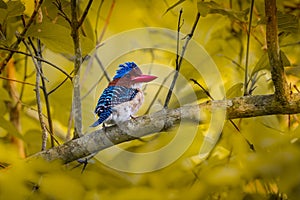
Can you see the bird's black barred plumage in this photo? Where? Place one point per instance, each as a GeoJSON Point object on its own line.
{"type": "Point", "coordinates": [112, 96]}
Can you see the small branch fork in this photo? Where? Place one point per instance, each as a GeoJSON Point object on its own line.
{"type": "Point", "coordinates": [21, 36]}
{"type": "Point", "coordinates": [180, 58]}
{"type": "Point", "coordinates": [75, 25]}
{"type": "Point", "coordinates": [282, 90]}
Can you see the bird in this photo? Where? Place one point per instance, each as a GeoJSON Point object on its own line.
{"type": "Point", "coordinates": [123, 96]}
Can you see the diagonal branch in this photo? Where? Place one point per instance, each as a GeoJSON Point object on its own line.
{"type": "Point", "coordinates": [21, 35]}
{"type": "Point", "coordinates": [240, 107]}
{"type": "Point", "coordinates": [277, 70]}
{"type": "Point", "coordinates": [179, 60]}
{"type": "Point", "coordinates": [38, 73]}
{"type": "Point", "coordinates": [85, 12]}
{"type": "Point", "coordinates": [39, 59]}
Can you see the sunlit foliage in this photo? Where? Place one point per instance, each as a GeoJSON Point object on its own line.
{"type": "Point", "coordinates": [233, 170]}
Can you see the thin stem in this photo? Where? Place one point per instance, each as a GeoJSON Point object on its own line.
{"type": "Point", "coordinates": [251, 146]}
{"type": "Point", "coordinates": [106, 22]}
{"type": "Point", "coordinates": [46, 97]}
{"type": "Point", "coordinates": [158, 91]}
{"type": "Point", "coordinates": [102, 68]}
{"type": "Point", "coordinates": [21, 35]}
{"type": "Point", "coordinates": [24, 77]}
{"type": "Point", "coordinates": [178, 64]}
{"type": "Point", "coordinates": [85, 12]}
{"type": "Point", "coordinates": [62, 13]}
{"type": "Point", "coordinates": [205, 91]}
{"type": "Point", "coordinates": [58, 86]}
{"type": "Point", "coordinates": [247, 50]}
{"type": "Point", "coordinates": [92, 88]}
{"type": "Point", "coordinates": [97, 19]}
{"type": "Point", "coordinates": [38, 99]}
{"type": "Point", "coordinates": [17, 81]}
{"type": "Point", "coordinates": [38, 58]}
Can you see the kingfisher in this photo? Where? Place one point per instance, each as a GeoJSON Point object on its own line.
{"type": "Point", "coordinates": [123, 96]}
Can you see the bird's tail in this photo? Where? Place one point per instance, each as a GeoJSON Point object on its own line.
{"type": "Point", "coordinates": [96, 123]}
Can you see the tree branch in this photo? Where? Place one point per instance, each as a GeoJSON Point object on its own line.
{"type": "Point", "coordinates": [76, 79]}
{"type": "Point", "coordinates": [247, 50]}
{"type": "Point", "coordinates": [179, 61]}
{"type": "Point", "coordinates": [240, 107]}
{"type": "Point", "coordinates": [21, 36]}
{"type": "Point", "coordinates": [39, 59]}
{"type": "Point", "coordinates": [277, 71]}
{"type": "Point", "coordinates": [85, 12]}
{"type": "Point", "coordinates": [38, 73]}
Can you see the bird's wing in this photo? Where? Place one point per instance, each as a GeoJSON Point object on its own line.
{"type": "Point", "coordinates": [112, 96]}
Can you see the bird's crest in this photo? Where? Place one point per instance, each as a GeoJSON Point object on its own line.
{"type": "Point", "coordinates": [124, 69]}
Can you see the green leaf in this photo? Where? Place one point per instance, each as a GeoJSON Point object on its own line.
{"type": "Point", "coordinates": [263, 62]}
{"type": "Point", "coordinates": [15, 8]}
{"type": "Point", "coordinates": [285, 61]}
{"type": "Point", "coordinates": [9, 127]}
{"type": "Point", "coordinates": [58, 38]}
{"type": "Point", "coordinates": [174, 5]}
{"type": "Point", "coordinates": [287, 22]}
{"type": "Point", "coordinates": [54, 36]}
{"type": "Point", "coordinates": [11, 9]}
{"type": "Point", "coordinates": [212, 7]}
{"type": "Point", "coordinates": [235, 91]}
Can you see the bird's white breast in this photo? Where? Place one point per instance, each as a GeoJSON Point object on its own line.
{"type": "Point", "coordinates": [124, 111]}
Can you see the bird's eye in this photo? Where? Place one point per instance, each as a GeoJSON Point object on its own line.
{"type": "Point", "coordinates": [127, 75]}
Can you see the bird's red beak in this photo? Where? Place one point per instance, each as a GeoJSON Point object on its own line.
{"type": "Point", "coordinates": [143, 78]}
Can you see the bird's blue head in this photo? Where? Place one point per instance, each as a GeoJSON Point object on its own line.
{"type": "Point", "coordinates": [124, 69]}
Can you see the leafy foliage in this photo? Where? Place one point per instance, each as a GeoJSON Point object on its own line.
{"type": "Point", "coordinates": [233, 170]}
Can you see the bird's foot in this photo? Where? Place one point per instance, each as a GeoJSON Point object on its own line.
{"type": "Point", "coordinates": [132, 117]}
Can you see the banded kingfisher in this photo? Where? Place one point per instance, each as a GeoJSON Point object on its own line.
{"type": "Point", "coordinates": [123, 96]}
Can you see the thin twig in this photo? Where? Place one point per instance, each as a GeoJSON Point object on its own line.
{"type": "Point", "coordinates": [205, 91]}
{"type": "Point", "coordinates": [247, 50]}
{"type": "Point", "coordinates": [46, 97]}
{"type": "Point", "coordinates": [24, 78]}
{"type": "Point", "coordinates": [62, 13]}
{"type": "Point", "coordinates": [106, 22]}
{"type": "Point", "coordinates": [251, 146]}
{"type": "Point", "coordinates": [169, 94]}
{"type": "Point", "coordinates": [97, 19]}
{"type": "Point", "coordinates": [296, 88]}
{"type": "Point", "coordinates": [58, 86]}
{"type": "Point", "coordinates": [38, 99]}
{"type": "Point", "coordinates": [277, 71]}
{"type": "Point", "coordinates": [177, 41]}
{"type": "Point", "coordinates": [178, 64]}
{"type": "Point", "coordinates": [21, 36]}
{"type": "Point", "coordinates": [102, 68]}
{"type": "Point", "coordinates": [85, 12]}
{"type": "Point", "coordinates": [158, 91]}
{"type": "Point", "coordinates": [17, 81]}
{"type": "Point", "coordinates": [38, 58]}
{"type": "Point", "coordinates": [92, 88]}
